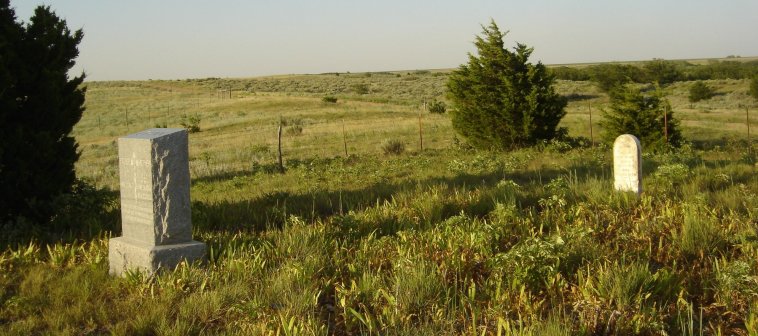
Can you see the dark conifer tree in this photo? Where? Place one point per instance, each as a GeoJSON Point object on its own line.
{"type": "Point", "coordinates": [501, 101]}
{"type": "Point", "coordinates": [39, 106]}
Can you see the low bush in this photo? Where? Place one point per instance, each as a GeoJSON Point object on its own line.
{"type": "Point", "coordinates": [754, 88]}
{"type": "Point", "coordinates": [393, 147]}
{"type": "Point", "coordinates": [700, 91]}
{"type": "Point", "coordinates": [437, 107]}
{"type": "Point", "coordinates": [191, 123]}
{"type": "Point", "coordinates": [360, 88]}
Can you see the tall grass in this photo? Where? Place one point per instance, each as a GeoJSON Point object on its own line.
{"type": "Point", "coordinates": [446, 241]}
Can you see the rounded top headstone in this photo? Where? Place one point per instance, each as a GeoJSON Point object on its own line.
{"type": "Point", "coordinates": [627, 163]}
{"type": "Point", "coordinates": [627, 139]}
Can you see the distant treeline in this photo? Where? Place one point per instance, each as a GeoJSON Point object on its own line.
{"type": "Point", "coordinates": [661, 71]}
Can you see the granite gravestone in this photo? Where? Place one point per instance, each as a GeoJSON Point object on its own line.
{"type": "Point", "coordinates": [627, 164]}
{"type": "Point", "coordinates": [155, 203]}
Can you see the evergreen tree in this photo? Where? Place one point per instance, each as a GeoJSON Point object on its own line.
{"type": "Point", "coordinates": [643, 115]}
{"type": "Point", "coordinates": [501, 101]}
{"type": "Point", "coordinates": [700, 91]}
{"type": "Point", "coordinates": [39, 106]}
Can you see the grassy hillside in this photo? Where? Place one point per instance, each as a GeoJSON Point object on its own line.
{"type": "Point", "coordinates": [241, 130]}
{"type": "Point", "coordinates": [448, 240]}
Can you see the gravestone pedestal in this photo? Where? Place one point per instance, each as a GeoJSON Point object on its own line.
{"type": "Point", "coordinates": [155, 203]}
{"type": "Point", "coordinates": [627, 164]}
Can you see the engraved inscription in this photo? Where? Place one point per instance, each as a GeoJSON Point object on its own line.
{"type": "Point", "coordinates": [154, 180]}
{"type": "Point", "coordinates": [136, 195]}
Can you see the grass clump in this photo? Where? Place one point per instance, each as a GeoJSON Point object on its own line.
{"type": "Point", "coordinates": [393, 147]}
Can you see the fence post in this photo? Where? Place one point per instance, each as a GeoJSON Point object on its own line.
{"type": "Point", "coordinates": [344, 137]}
{"type": "Point", "coordinates": [420, 129]}
{"type": "Point", "coordinates": [281, 165]}
{"type": "Point", "coordinates": [592, 137]}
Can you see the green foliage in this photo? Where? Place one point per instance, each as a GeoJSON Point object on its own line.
{"type": "Point", "coordinates": [447, 241]}
{"type": "Point", "coordinates": [360, 88]}
{"type": "Point", "coordinates": [438, 107]}
{"type": "Point", "coordinates": [39, 106]}
{"type": "Point", "coordinates": [611, 76]}
{"type": "Point", "coordinates": [191, 123]}
{"type": "Point", "coordinates": [627, 296]}
{"type": "Point", "coordinates": [754, 88]}
{"type": "Point", "coordinates": [641, 114]}
{"type": "Point", "coordinates": [700, 91]}
{"type": "Point", "coordinates": [500, 100]}
{"type": "Point", "coordinates": [444, 254]}
{"type": "Point", "coordinates": [662, 72]}
{"type": "Point", "coordinates": [85, 211]}
{"type": "Point", "coordinates": [393, 147]}
{"type": "Point", "coordinates": [723, 70]}
{"type": "Point", "coordinates": [570, 73]}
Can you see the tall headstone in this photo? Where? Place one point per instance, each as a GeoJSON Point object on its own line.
{"type": "Point", "coordinates": [155, 203]}
{"type": "Point", "coordinates": [627, 164]}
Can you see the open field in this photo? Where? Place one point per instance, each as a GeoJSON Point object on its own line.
{"type": "Point", "coordinates": [444, 241]}
{"type": "Point", "coordinates": [240, 130]}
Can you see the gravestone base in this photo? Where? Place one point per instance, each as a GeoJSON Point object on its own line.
{"type": "Point", "coordinates": [128, 254]}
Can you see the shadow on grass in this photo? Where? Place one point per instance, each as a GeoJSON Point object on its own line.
{"type": "Point", "coordinates": [84, 214]}
{"type": "Point", "coordinates": [580, 97]}
{"type": "Point", "coordinates": [272, 209]}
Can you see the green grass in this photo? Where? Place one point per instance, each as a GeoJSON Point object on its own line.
{"type": "Point", "coordinates": [447, 240]}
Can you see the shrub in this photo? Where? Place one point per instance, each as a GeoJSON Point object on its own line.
{"type": "Point", "coordinates": [361, 88]}
{"type": "Point", "coordinates": [437, 107]}
{"type": "Point", "coordinates": [393, 147]}
{"type": "Point", "coordinates": [294, 126]}
{"type": "Point", "coordinates": [700, 91]}
{"type": "Point", "coordinates": [662, 71]}
{"type": "Point", "coordinates": [633, 112]}
{"type": "Point", "coordinates": [39, 106]}
{"type": "Point", "coordinates": [570, 73]}
{"type": "Point", "coordinates": [502, 101]}
{"type": "Point", "coordinates": [754, 88]}
{"type": "Point", "coordinates": [329, 99]}
{"type": "Point", "coordinates": [191, 123]}
{"type": "Point", "coordinates": [609, 77]}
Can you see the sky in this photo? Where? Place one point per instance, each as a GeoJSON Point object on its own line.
{"type": "Point", "coordinates": [173, 39]}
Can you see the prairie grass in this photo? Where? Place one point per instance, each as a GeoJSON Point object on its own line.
{"type": "Point", "coordinates": [444, 241]}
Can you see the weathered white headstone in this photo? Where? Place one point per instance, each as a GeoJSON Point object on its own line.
{"type": "Point", "coordinates": [627, 163]}
{"type": "Point", "coordinates": [155, 203]}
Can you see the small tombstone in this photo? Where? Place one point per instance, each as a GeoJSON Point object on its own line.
{"type": "Point", "coordinates": [155, 203]}
{"type": "Point", "coordinates": [627, 164]}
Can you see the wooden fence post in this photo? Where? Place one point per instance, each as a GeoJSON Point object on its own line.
{"type": "Point", "coordinates": [592, 137]}
{"type": "Point", "coordinates": [281, 164]}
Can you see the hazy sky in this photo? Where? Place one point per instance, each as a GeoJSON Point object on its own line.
{"type": "Point", "coordinates": [169, 39]}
